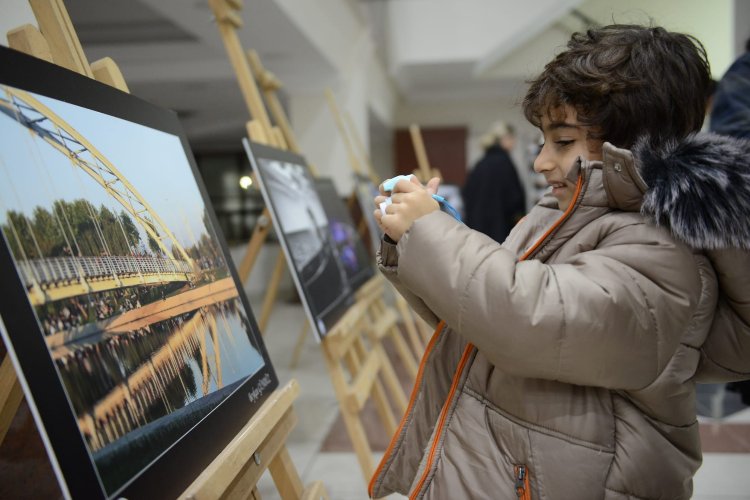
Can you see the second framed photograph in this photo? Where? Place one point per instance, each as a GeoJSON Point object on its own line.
{"type": "Point", "coordinates": [302, 227]}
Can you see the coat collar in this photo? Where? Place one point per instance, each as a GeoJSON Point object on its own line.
{"type": "Point", "coordinates": [697, 188]}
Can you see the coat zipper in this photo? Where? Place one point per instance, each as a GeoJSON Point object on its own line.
{"type": "Point", "coordinates": [523, 488]}
{"type": "Point", "coordinates": [412, 399]}
{"type": "Point", "coordinates": [524, 493]}
{"type": "Point", "coordinates": [441, 421]}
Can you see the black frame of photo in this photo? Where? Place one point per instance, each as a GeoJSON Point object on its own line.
{"type": "Point", "coordinates": [254, 151]}
{"type": "Point", "coordinates": [174, 470]}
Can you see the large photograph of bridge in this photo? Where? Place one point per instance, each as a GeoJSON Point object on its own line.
{"type": "Point", "coordinates": [304, 230]}
{"type": "Point", "coordinates": [112, 242]}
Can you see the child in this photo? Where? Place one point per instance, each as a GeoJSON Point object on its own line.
{"type": "Point", "coordinates": [565, 363]}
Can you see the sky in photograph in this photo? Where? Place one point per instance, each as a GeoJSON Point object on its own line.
{"type": "Point", "coordinates": [33, 173]}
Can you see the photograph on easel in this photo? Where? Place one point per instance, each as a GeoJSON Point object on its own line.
{"type": "Point", "coordinates": [110, 239]}
{"type": "Point", "coordinates": [303, 229]}
{"type": "Point", "coordinates": [357, 263]}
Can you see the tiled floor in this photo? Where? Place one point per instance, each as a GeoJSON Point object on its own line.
{"type": "Point", "coordinates": [723, 476]}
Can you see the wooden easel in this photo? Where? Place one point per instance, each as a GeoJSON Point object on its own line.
{"type": "Point", "coordinates": [424, 172]}
{"type": "Point", "coordinates": [357, 363]}
{"type": "Point", "coordinates": [261, 445]}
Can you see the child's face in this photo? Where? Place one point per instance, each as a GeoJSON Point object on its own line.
{"type": "Point", "coordinates": [564, 141]}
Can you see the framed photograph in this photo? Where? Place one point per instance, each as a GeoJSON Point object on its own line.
{"type": "Point", "coordinates": [303, 229]}
{"type": "Point", "coordinates": [353, 256]}
{"type": "Point", "coordinates": [129, 329]}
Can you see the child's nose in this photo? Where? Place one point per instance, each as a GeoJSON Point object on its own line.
{"type": "Point", "coordinates": [543, 162]}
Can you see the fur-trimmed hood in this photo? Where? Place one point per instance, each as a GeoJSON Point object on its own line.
{"type": "Point", "coordinates": [699, 188]}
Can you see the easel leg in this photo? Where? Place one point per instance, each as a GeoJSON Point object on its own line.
{"type": "Point", "coordinates": [351, 418]}
{"type": "Point", "coordinates": [273, 288]}
{"type": "Point", "coordinates": [299, 345]}
{"type": "Point", "coordinates": [382, 405]}
{"type": "Point", "coordinates": [255, 244]}
{"type": "Point", "coordinates": [411, 329]}
{"type": "Point", "coordinates": [285, 476]}
{"type": "Point", "coordinates": [391, 380]}
{"type": "Point", "coordinates": [403, 350]}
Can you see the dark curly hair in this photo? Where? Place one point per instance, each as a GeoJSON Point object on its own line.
{"type": "Point", "coordinates": [627, 81]}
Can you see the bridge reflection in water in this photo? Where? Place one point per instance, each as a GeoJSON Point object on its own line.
{"type": "Point", "coordinates": [130, 378]}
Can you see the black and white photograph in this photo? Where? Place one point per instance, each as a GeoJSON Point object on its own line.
{"type": "Point", "coordinates": [305, 233]}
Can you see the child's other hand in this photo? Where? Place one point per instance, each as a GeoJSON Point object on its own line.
{"type": "Point", "coordinates": [410, 201]}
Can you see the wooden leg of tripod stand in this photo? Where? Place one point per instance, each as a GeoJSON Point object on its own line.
{"type": "Point", "coordinates": [411, 328]}
{"type": "Point", "coordinates": [273, 288]}
{"type": "Point", "coordinates": [299, 345]}
{"type": "Point", "coordinates": [262, 227]}
{"type": "Point", "coordinates": [285, 475]}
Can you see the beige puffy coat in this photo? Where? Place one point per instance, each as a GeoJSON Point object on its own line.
{"type": "Point", "coordinates": [566, 361]}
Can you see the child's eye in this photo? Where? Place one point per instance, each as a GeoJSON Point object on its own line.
{"type": "Point", "coordinates": [563, 143]}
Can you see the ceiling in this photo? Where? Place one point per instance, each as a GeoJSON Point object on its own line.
{"type": "Point", "coordinates": [171, 53]}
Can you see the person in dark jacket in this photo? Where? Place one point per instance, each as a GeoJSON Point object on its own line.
{"type": "Point", "coordinates": [494, 198]}
{"type": "Point", "coordinates": [731, 107]}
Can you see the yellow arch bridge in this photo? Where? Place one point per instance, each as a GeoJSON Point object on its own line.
{"type": "Point", "coordinates": [59, 278]}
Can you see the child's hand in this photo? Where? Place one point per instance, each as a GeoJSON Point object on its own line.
{"type": "Point", "coordinates": [410, 201]}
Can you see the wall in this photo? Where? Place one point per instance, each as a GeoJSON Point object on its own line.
{"type": "Point", "coordinates": [478, 115]}
{"type": "Point", "coordinates": [362, 87]}
{"type": "Point", "coordinates": [711, 22]}
{"type": "Point", "coordinates": [14, 14]}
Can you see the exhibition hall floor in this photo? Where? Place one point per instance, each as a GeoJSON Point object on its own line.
{"type": "Point", "coordinates": [723, 476]}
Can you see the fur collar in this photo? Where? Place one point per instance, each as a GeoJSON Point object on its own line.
{"type": "Point", "coordinates": [699, 188]}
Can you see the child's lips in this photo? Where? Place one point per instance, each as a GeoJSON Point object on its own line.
{"type": "Point", "coordinates": [557, 187]}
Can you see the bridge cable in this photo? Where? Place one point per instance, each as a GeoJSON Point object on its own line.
{"type": "Point", "coordinates": [49, 187]}
{"type": "Point", "coordinates": [20, 204]}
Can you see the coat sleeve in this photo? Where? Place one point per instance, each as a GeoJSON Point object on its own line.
{"type": "Point", "coordinates": [611, 316]}
{"type": "Point", "coordinates": [725, 355]}
{"type": "Point", "coordinates": [387, 259]}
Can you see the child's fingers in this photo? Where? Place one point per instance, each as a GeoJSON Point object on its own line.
{"type": "Point", "coordinates": [392, 209]}
{"type": "Point", "coordinates": [398, 197]}
{"type": "Point", "coordinates": [379, 200]}
{"type": "Point", "coordinates": [406, 186]}
{"type": "Point", "coordinates": [433, 185]}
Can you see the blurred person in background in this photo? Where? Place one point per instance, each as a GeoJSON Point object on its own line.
{"type": "Point", "coordinates": [494, 198]}
{"type": "Point", "coordinates": [730, 115]}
